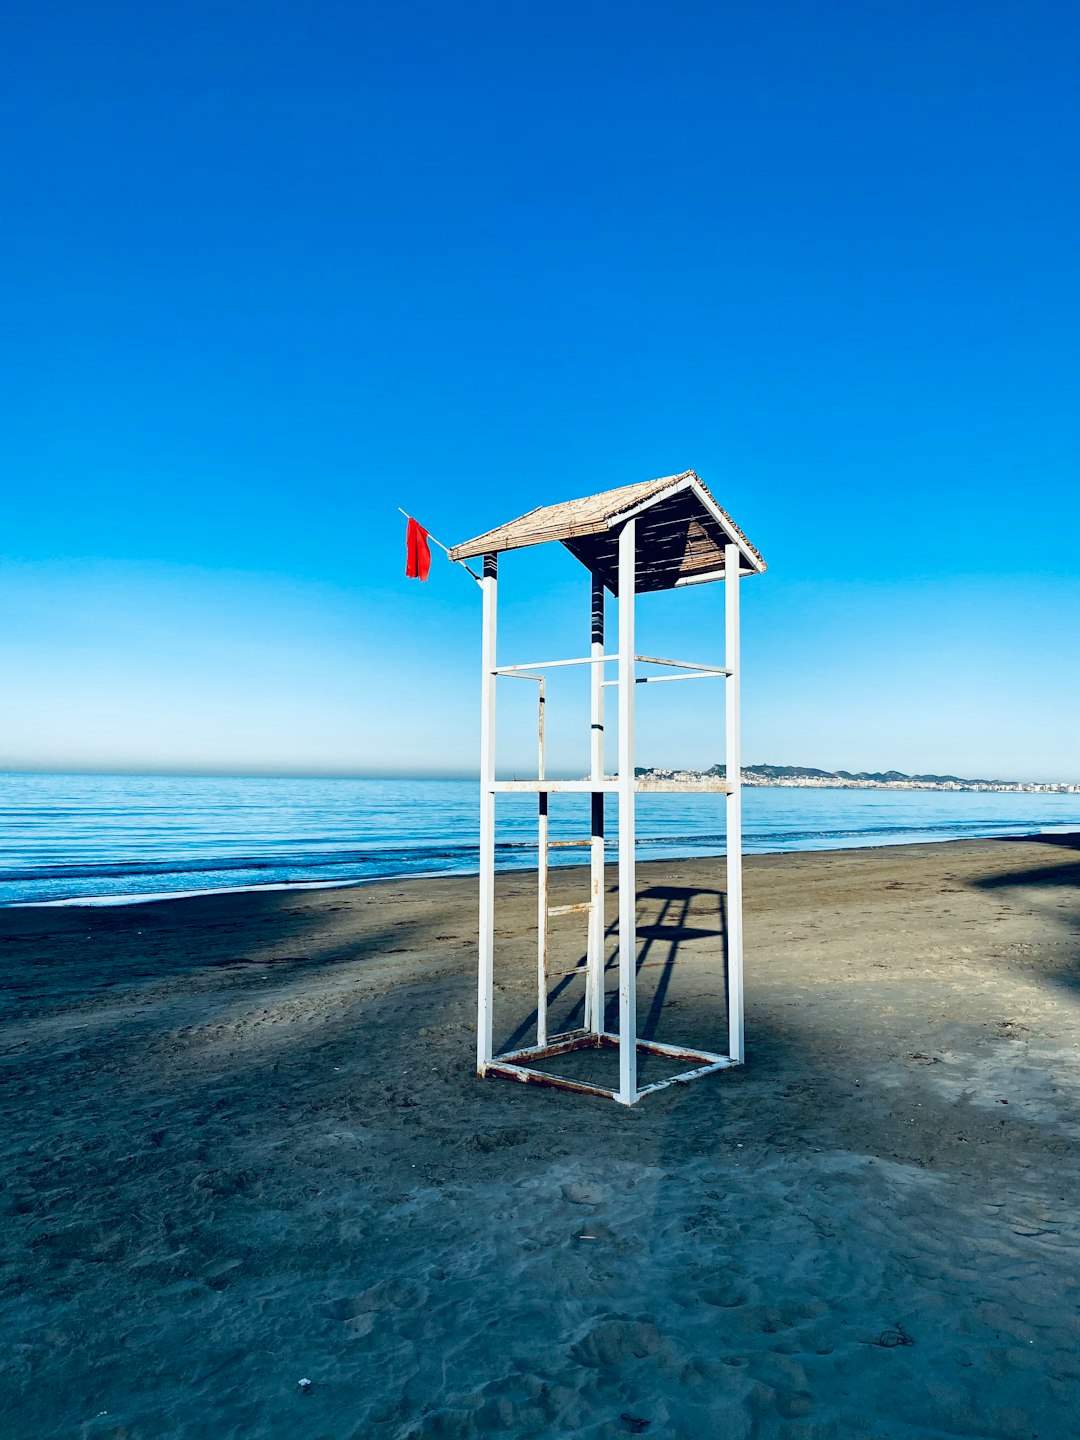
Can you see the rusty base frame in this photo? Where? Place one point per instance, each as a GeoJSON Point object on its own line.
{"type": "Point", "coordinates": [513, 1064]}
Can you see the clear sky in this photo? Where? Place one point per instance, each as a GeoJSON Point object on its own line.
{"type": "Point", "coordinates": [271, 270]}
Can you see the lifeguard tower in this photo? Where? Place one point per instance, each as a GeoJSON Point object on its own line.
{"type": "Point", "coordinates": [657, 535]}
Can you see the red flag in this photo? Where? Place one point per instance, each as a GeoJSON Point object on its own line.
{"type": "Point", "coordinates": [418, 552]}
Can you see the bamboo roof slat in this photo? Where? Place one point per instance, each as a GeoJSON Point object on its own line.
{"type": "Point", "coordinates": [682, 532]}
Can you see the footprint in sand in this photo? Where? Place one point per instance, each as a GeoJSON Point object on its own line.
{"type": "Point", "coordinates": [725, 1296]}
{"type": "Point", "coordinates": [585, 1194]}
{"type": "Point", "coordinates": [356, 1311]}
{"type": "Point", "coordinates": [487, 1141]}
{"type": "Point", "coordinates": [787, 1405]}
{"type": "Point", "coordinates": [612, 1341]}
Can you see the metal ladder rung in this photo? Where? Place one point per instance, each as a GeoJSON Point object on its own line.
{"type": "Point", "coordinates": [581, 908]}
{"type": "Point", "coordinates": [566, 844]}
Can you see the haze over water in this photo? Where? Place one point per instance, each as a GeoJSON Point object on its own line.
{"type": "Point", "coordinates": [64, 837]}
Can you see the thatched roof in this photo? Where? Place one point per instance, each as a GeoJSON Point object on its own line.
{"type": "Point", "coordinates": [681, 533]}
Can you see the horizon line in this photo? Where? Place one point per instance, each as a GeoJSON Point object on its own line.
{"type": "Point", "coordinates": [230, 773]}
{"type": "Point", "coordinates": [236, 773]}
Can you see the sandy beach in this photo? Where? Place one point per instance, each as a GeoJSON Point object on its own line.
{"type": "Point", "coordinates": [244, 1146]}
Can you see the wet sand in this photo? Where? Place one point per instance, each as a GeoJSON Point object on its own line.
{"type": "Point", "coordinates": [243, 1146]}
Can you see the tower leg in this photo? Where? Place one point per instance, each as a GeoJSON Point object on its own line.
{"type": "Point", "coordinates": [542, 898]}
{"type": "Point", "coordinates": [733, 759]}
{"type": "Point", "coordinates": [627, 873]}
{"type": "Point", "coordinates": [594, 983]}
{"type": "Point", "coordinates": [485, 975]}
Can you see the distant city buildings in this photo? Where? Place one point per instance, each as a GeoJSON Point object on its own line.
{"type": "Point", "coordinates": [798, 777]}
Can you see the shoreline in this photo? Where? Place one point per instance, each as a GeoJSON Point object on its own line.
{"type": "Point", "coordinates": [154, 897]}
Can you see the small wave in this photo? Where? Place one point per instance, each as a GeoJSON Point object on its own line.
{"type": "Point", "coordinates": [203, 865]}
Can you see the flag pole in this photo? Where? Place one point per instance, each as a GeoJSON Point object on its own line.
{"type": "Point", "coordinates": [441, 546]}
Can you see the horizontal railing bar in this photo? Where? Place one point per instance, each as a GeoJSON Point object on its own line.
{"type": "Point", "coordinates": [551, 664]}
{"type": "Point", "coordinates": [541, 1077]}
{"type": "Point", "coordinates": [603, 787]}
{"type": "Point", "coordinates": [686, 1077]}
{"type": "Point", "coordinates": [607, 660]}
{"type": "Point", "coordinates": [680, 664]}
{"type": "Point", "coordinates": [665, 679]}
{"type": "Point", "coordinates": [566, 844]}
{"type": "Point", "coordinates": [580, 908]}
{"type": "Point", "coordinates": [694, 675]}
{"type": "Point", "coordinates": [682, 1052]}
{"type": "Point", "coordinates": [560, 1044]}
{"type": "Point", "coordinates": [609, 1039]}
{"type": "Point", "coordinates": [578, 787]}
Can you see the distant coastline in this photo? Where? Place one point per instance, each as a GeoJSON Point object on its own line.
{"type": "Point", "coordinates": [802, 777]}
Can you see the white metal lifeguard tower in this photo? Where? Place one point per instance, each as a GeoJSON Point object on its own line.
{"type": "Point", "coordinates": [656, 535]}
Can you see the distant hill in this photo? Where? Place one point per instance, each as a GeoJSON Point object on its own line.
{"type": "Point", "coordinates": [807, 777]}
{"type": "Point", "coordinates": [804, 772]}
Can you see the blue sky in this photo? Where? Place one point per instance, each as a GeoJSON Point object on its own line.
{"type": "Point", "coordinates": [270, 271]}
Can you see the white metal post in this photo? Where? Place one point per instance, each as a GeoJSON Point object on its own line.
{"type": "Point", "coordinates": [485, 979]}
{"type": "Point", "coordinates": [594, 983]}
{"type": "Point", "coordinates": [542, 879]}
{"type": "Point", "coordinates": [733, 759]}
{"type": "Point", "coordinates": [627, 875]}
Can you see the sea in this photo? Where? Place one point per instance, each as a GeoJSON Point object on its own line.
{"type": "Point", "coordinates": [108, 839]}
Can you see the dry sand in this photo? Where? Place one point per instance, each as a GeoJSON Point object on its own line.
{"type": "Point", "coordinates": [244, 1146]}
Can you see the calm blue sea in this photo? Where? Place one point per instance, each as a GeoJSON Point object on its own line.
{"type": "Point", "coordinates": [64, 837]}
